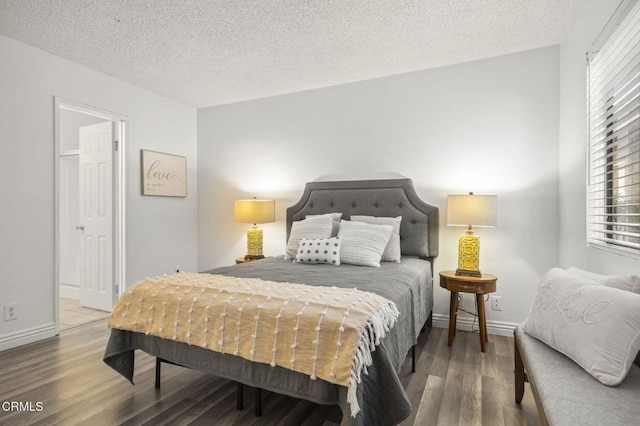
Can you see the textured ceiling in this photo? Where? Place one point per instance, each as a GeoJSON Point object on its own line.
{"type": "Point", "coordinates": [211, 52]}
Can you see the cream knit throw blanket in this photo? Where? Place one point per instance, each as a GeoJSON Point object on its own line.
{"type": "Point", "coordinates": [324, 332]}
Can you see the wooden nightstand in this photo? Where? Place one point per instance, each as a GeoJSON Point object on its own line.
{"type": "Point", "coordinates": [461, 283]}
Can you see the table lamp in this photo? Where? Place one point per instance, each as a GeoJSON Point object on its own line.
{"type": "Point", "coordinates": [254, 211]}
{"type": "Point", "coordinates": [471, 210]}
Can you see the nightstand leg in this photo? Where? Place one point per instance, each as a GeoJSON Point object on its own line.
{"type": "Point", "coordinates": [482, 319]}
{"type": "Point", "coordinates": [486, 335]}
{"type": "Point", "coordinates": [453, 314]}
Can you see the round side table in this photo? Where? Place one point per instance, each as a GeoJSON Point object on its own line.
{"type": "Point", "coordinates": [486, 283]}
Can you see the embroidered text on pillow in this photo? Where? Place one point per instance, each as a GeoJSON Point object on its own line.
{"type": "Point", "coordinates": [568, 307]}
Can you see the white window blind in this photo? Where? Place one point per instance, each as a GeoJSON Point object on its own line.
{"type": "Point", "coordinates": [613, 190]}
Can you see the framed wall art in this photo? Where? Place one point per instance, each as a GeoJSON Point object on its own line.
{"type": "Point", "coordinates": [163, 174]}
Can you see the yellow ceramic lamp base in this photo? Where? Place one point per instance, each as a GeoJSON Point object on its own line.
{"type": "Point", "coordinates": [469, 255]}
{"type": "Point", "coordinates": [254, 244]}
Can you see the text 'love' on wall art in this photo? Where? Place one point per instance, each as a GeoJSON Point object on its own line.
{"type": "Point", "coordinates": [163, 174]}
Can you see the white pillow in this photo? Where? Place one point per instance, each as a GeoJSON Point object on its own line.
{"type": "Point", "coordinates": [335, 224]}
{"type": "Point", "coordinates": [392, 251]}
{"type": "Point", "coordinates": [363, 243]}
{"type": "Point", "coordinates": [312, 228]}
{"type": "Point", "coordinates": [596, 326]}
{"type": "Point", "coordinates": [623, 282]}
{"type": "Point", "coordinates": [323, 250]}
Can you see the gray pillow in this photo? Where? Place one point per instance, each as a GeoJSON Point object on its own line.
{"type": "Point", "coordinates": [312, 228]}
{"type": "Point", "coordinates": [596, 326]}
{"type": "Point", "coordinates": [392, 251]}
{"type": "Point", "coordinates": [363, 243]}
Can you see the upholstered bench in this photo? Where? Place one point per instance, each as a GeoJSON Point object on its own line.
{"type": "Point", "coordinates": [565, 394]}
{"type": "Point", "coordinates": [577, 349]}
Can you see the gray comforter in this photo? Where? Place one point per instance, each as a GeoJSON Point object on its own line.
{"type": "Point", "coordinates": [381, 395]}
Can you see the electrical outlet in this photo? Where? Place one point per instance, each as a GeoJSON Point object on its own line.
{"type": "Point", "coordinates": [496, 303]}
{"type": "Point", "coordinates": [11, 312]}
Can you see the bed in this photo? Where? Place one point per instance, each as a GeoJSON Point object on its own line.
{"type": "Point", "coordinates": [408, 284]}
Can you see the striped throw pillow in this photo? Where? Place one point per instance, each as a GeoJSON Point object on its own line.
{"type": "Point", "coordinates": [363, 243]}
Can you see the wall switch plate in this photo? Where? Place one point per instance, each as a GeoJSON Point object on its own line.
{"type": "Point", "coordinates": [11, 312]}
{"type": "Point", "coordinates": [496, 303]}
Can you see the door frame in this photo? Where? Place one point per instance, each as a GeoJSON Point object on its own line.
{"type": "Point", "coordinates": [119, 195]}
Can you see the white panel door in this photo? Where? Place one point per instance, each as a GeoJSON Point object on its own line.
{"type": "Point", "coordinates": [96, 216]}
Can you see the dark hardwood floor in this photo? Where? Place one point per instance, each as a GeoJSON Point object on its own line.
{"type": "Point", "coordinates": [66, 377]}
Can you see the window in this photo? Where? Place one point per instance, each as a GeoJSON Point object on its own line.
{"type": "Point", "coordinates": [613, 190]}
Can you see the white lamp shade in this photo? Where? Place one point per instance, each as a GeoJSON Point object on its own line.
{"type": "Point", "coordinates": [254, 211]}
{"type": "Point", "coordinates": [474, 210]}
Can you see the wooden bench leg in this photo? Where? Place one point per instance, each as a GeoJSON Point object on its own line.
{"type": "Point", "coordinates": [519, 371]}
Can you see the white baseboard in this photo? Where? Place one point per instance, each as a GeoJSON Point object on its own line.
{"type": "Point", "coordinates": [465, 322]}
{"type": "Point", "coordinates": [30, 335]}
{"type": "Point", "coordinates": [69, 290]}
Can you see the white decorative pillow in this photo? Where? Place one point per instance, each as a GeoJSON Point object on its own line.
{"type": "Point", "coordinates": [312, 228]}
{"type": "Point", "coordinates": [392, 251]}
{"type": "Point", "coordinates": [324, 250]}
{"type": "Point", "coordinates": [623, 282]}
{"type": "Point", "coordinates": [335, 224]}
{"type": "Point", "coordinates": [363, 243]}
{"type": "Point", "coordinates": [596, 326]}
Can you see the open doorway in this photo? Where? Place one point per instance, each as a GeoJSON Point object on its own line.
{"type": "Point", "coordinates": [89, 212]}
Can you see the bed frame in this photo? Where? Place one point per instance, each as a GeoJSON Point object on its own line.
{"type": "Point", "coordinates": [419, 228]}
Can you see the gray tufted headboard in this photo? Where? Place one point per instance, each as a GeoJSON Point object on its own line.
{"type": "Point", "coordinates": [388, 197]}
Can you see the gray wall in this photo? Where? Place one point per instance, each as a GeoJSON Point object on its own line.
{"type": "Point", "coordinates": [488, 126]}
{"type": "Point", "coordinates": [161, 232]}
